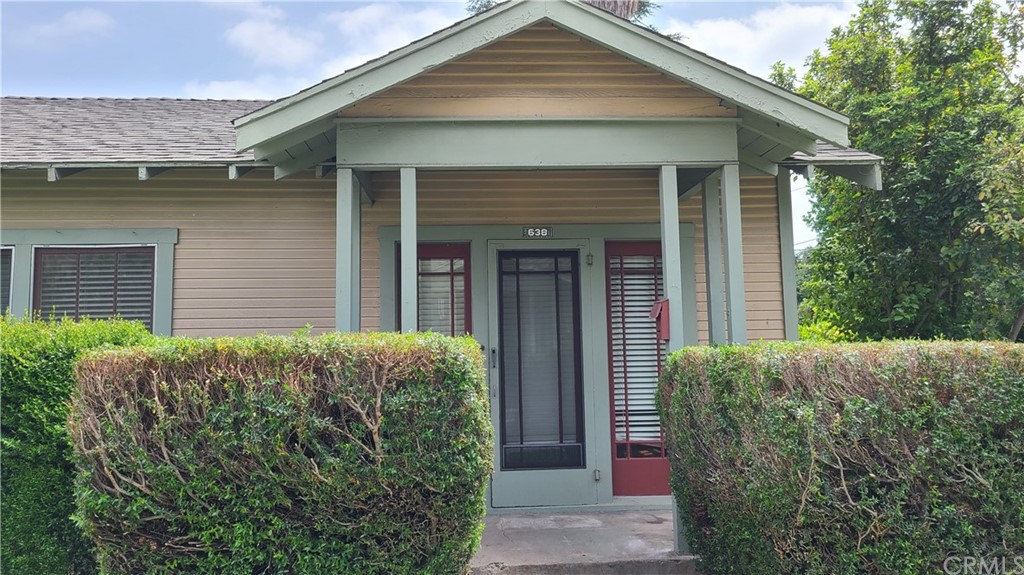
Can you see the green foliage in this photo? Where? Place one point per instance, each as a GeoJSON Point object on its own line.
{"type": "Point", "coordinates": [847, 459]}
{"type": "Point", "coordinates": [345, 453]}
{"type": "Point", "coordinates": [927, 85]}
{"type": "Point", "coordinates": [36, 495]}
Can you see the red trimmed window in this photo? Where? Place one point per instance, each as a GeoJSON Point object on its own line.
{"type": "Point", "coordinates": [443, 279]}
{"type": "Point", "coordinates": [98, 283]}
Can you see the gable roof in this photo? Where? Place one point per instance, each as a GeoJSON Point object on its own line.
{"type": "Point", "coordinates": [293, 121]}
{"type": "Point", "coordinates": [109, 130]}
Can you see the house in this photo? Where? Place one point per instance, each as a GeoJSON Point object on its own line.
{"type": "Point", "coordinates": [543, 176]}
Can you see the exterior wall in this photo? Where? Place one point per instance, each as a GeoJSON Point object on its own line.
{"type": "Point", "coordinates": [540, 72]}
{"type": "Point", "coordinates": [253, 255]}
{"type": "Point", "coordinates": [580, 197]}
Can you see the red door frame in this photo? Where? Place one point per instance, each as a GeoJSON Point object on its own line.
{"type": "Point", "coordinates": [631, 475]}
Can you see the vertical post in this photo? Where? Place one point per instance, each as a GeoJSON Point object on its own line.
{"type": "Point", "coordinates": [671, 254]}
{"type": "Point", "coordinates": [789, 305]}
{"type": "Point", "coordinates": [732, 229]}
{"type": "Point", "coordinates": [21, 281]}
{"type": "Point", "coordinates": [408, 234]}
{"type": "Point", "coordinates": [347, 246]}
{"type": "Point", "coordinates": [712, 213]}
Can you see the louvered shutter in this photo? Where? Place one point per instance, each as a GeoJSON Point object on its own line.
{"type": "Point", "coordinates": [634, 284]}
{"type": "Point", "coordinates": [99, 283]}
{"type": "Point", "coordinates": [6, 260]}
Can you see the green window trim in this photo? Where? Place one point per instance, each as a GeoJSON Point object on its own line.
{"type": "Point", "coordinates": [25, 241]}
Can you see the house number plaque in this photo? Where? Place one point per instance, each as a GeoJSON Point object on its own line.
{"type": "Point", "coordinates": [535, 232]}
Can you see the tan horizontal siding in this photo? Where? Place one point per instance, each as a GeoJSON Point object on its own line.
{"type": "Point", "coordinates": [257, 255]}
{"type": "Point", "coordinates": [579, 197]}
{"type": "Point", "coordinates": [253, 255]}
{"type": "Point", "coordinates": [542, 71]}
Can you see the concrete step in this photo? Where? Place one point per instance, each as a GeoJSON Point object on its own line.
{"type": "Point", "coordinates": [679, 566]}
{"type": "Point", "coordinates": [587, 543]}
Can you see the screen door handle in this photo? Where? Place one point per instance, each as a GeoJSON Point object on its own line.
{"type": "Point", "coordinates": [494, 357]}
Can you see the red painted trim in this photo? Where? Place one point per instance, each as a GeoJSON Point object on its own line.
{"type": "Point", "coordinates": [440, 251]}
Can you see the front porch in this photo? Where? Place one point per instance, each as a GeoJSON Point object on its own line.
{"type": "Point", "coordinates": [605, 541]}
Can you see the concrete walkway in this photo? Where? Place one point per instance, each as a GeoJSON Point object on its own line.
{"type": "Point", "coordinates": [591, 543]}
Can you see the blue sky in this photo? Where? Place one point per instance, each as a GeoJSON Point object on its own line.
{"type": "Point", "coordinates": [272, 49]}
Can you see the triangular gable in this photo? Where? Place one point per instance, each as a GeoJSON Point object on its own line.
{"type": "Point", "coordinates": [306, 120]}
{"type": "Point", "coordinates": [541, 72]}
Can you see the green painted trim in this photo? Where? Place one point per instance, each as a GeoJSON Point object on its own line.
{"type": "Point", "coordinates": [732, 231]}
{"type": "Point", "coordinates": [779, 132]}
{"type": "Point", "coordinates": [311, 110]}
{"type": "Point", "coordinates": [868, 175]}
{"type": "Point", "coordinates": [504, 144]}
{"type": "Point", "coordinates": [788, 251]}
{"type": "Point", "coordinates": [314, 156]}
{"type": "Point", "coordinates": [347, 250]}
{"type": "Point", "coordinates": [760, 164]}
{"type": "Point", "coordinates": [711, 209]}
{"type": "Point", "coordinates": [25, 240]}
{"type": "Point", "coordinates": [410, 301]}
{"type": "Point", "coordinates": [671, 254]}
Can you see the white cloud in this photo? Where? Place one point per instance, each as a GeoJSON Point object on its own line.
{"type": "Point", "coordinates": [271, 43]}
{"type": "Point", "coordinates": [373, 30]}
{"type": "Point", "coordinates": [264, 87]}
{"type": "Point", "coordinates": [72, 25]}
{"type": "Point", "coordinates": [263, 36]}
{"type": "Point", "coordinates": [787, 32]}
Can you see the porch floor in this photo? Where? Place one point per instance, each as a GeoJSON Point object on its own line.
{"type": "Point", "coordinates": [585, 543]}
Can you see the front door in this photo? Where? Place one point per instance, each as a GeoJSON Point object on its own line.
{"type": "Point", "coordinates": [537, 365]}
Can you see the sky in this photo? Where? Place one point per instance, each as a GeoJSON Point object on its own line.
{"type": "Point", "coordinates": [266, 50]}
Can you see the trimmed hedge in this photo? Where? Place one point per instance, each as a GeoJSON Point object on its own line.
{"type": "Point", "coordinates": [37, 535]}
{"type": "Point", "coordinates": [345, 453]}
{"type": "Point", "coordinates": [847, 459]}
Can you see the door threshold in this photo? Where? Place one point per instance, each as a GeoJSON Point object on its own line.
{"type": "Point", "coordinates": [623, 503]}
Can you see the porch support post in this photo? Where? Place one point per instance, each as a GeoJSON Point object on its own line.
{"type": "Point", "coordinates": [789, 305]}
{"type": "Point", "coordinates": [408, 235]}
{"type": "Point", "coordinates": [347, 222]}
{"type": "Point", "coordinates": [736, 307]}
{"type": "Point", "coordinates": [712, 212]}
{"type": "Point", "coordinates": [672, 255]}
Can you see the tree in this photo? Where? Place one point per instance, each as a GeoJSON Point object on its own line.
{"type": "Point", "coordinates": [928, 86]}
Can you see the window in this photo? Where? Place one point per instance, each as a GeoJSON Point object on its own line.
{"type": "Point", "coordinates": [443, 285]}
{"type": "Point", "coordinates": [6, 260]}
{"type": "Point", "coordinates": [95, 282]}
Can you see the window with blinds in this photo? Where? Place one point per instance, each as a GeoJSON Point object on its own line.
{"type": "Point", "coordinates": [443, 286]}
{"type": "Point", "coordinates": [6, 261]}
{"type": "Point", "coordinates": [636, 354]}
{"type": "Point", "coordinates": [98, 283]}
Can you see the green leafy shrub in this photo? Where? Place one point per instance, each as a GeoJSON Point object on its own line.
{"type": "Point", "coordinates": [345, 453]}
{"type": "Point", "coordinates": [847, 459]}
{"type": "Point", "coordinates": [37, 535]}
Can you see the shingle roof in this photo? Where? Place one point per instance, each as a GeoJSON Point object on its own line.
{"type": "Point", "coordinates": [108, 130]}
{"type": "Point", "coordinates": [833, 154]}
{"type": "Point", "coordinates": [164, 130]}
